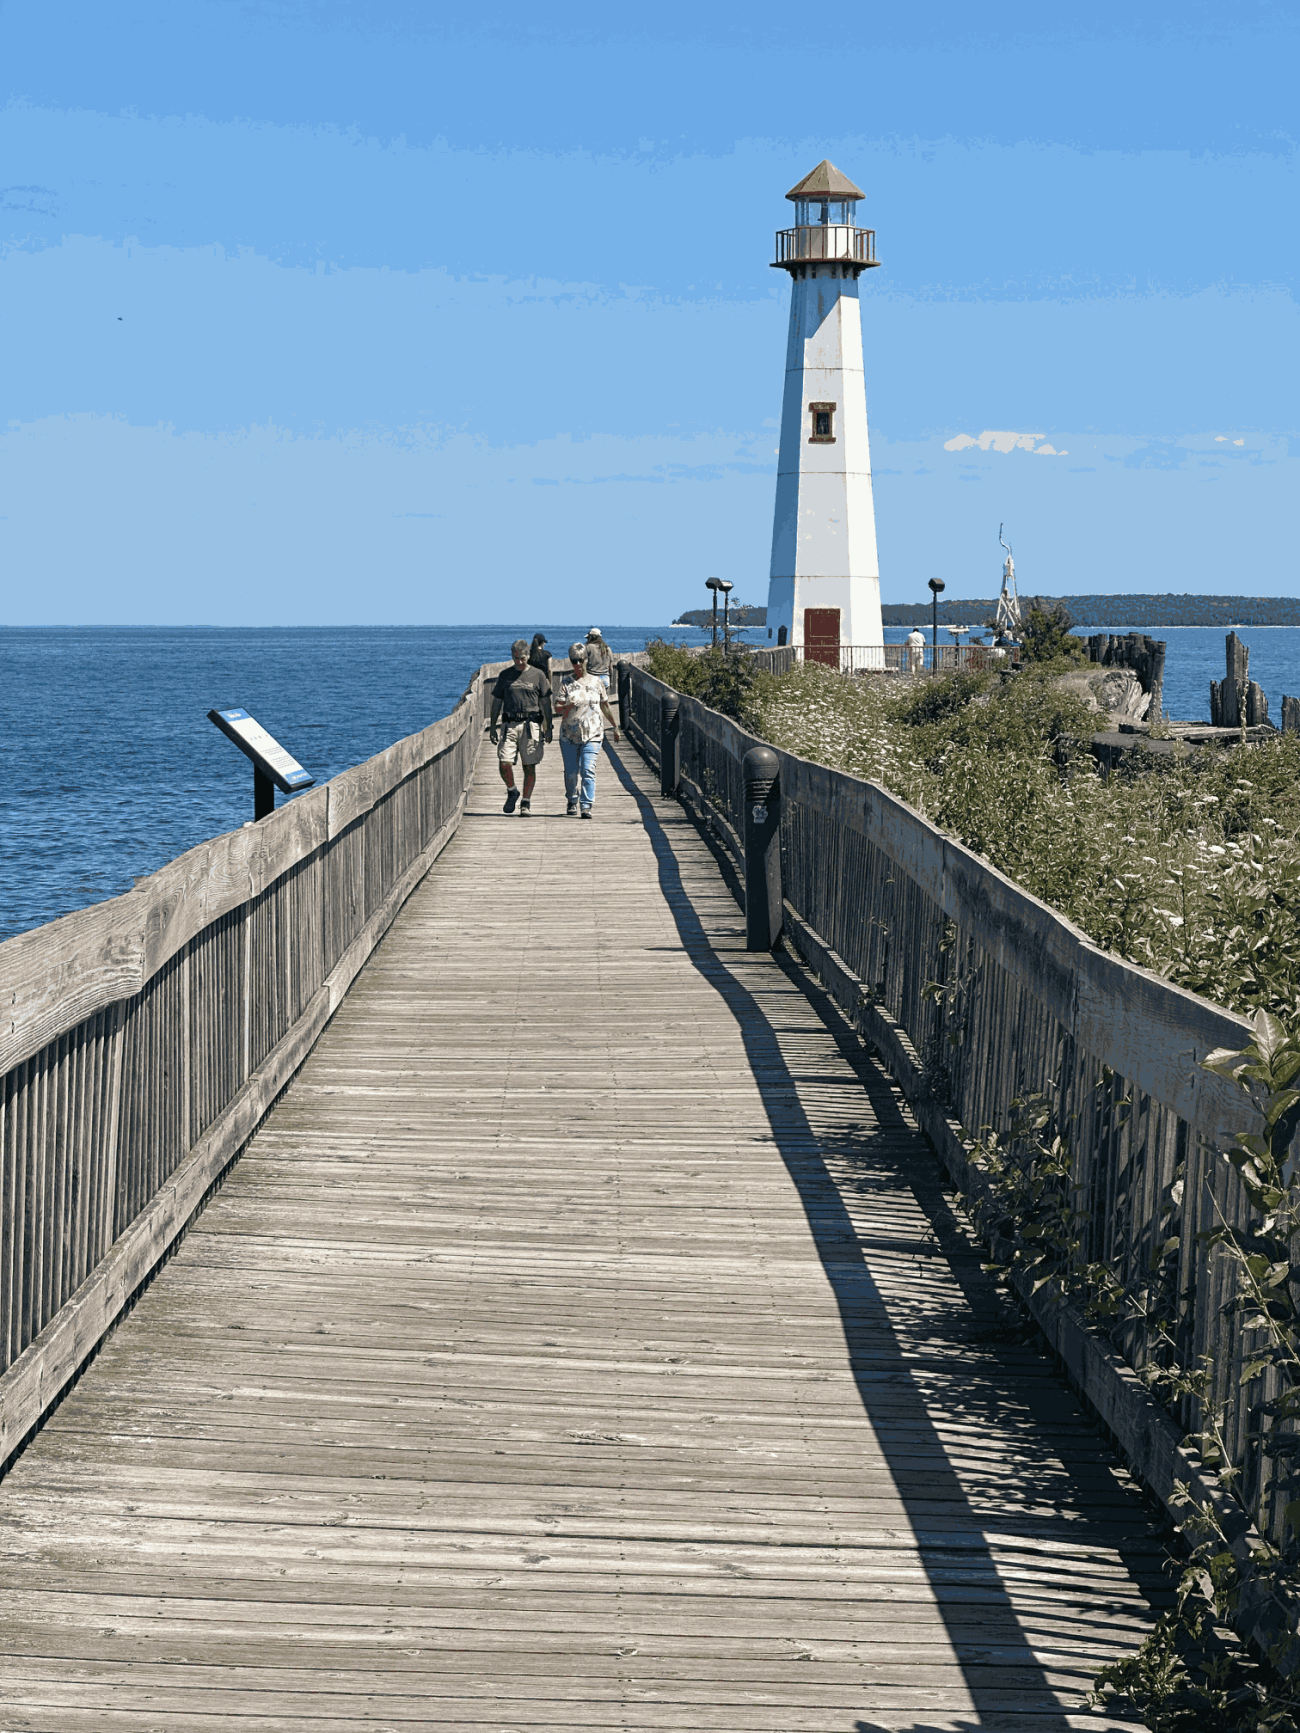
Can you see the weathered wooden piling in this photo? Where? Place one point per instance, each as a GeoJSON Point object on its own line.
{"type": "Point", "coordinates": [1142, 655]}
{"type": "Point", "coordinates": [1237, 701]}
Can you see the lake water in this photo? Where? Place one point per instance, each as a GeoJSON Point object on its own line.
{"type": "Point", "coordinates": [109, 767]}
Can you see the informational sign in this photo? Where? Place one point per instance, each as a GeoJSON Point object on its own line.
{"type": "Point", "coordinates": [265, 751]}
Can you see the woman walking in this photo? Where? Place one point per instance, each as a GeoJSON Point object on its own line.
{"type": "Point", "coordinates": [581, 705]}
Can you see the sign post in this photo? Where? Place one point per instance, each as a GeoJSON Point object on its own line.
{"type": "Point", "coordinates": [273, 767]}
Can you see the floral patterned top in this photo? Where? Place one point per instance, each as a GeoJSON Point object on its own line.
{"type": "Point", "coordinates": [584, 721]}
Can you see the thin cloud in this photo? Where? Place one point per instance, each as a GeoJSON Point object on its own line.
{"type": "Point", "coordinates": [1004, 442]}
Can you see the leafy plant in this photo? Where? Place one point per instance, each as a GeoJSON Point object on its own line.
{"type": "Point", "coordinates": [728, 682]}
{"type": "Point", "coordinates": [1192, 1673]}
{"type": "Point", "coordinates": [1191, 869]}
{"type": "Point", "coordinates": [1046, 634]}
{"type": "Point", "coordinates": [676, 664]}
{"type": "Point", "coordinates": [1224, 1577]}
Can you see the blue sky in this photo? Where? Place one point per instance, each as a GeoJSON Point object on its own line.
{"type": "Point", "coordinates": [325, 311]}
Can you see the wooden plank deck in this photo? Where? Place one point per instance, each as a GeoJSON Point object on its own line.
{"type": "Point", "coordinates": [584, 1342]}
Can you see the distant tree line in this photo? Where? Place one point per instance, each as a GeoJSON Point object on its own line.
{"type": "Point", "coordinates": [742, 614]}
{"type": "Point", "coordinates": [1134, 610]}
{"type": "Point", "coordinates": [1130, 610]}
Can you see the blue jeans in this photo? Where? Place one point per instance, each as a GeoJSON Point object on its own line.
{"type": "Point", "coordinates": [580, 769]}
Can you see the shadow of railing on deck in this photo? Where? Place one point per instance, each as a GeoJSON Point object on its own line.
{"type": "Point", "coordinates": [982, 1625]}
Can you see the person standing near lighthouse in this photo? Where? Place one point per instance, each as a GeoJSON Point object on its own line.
{"type": "Point", "coordinates": [824, 590]}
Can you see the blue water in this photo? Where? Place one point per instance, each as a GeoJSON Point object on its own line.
{"type": "Point", "coordinates": [109, 767]}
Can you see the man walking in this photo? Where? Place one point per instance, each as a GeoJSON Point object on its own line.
{"type": "Point", "coordinates": [521, 703]}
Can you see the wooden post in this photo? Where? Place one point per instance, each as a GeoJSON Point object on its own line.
{"type": "Point", "coordinates": [670, 745]}
{"type": "Point", "coordinates": [1156, 709]}
{"type": "Point", "coordinates": [763, 906]}
{"type": "Point", "coordinates": [1290, 715]}
{"type": "Point", "coordinates": [1232, 693]}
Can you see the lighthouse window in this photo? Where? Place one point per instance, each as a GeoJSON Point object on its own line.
{"type": "Point", "coordinates": [823, 423]}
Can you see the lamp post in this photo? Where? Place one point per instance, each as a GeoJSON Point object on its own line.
{"type": "Point", "coordinates": [718, 586]}
{"type": "Point", "coordinates": [936, 584]}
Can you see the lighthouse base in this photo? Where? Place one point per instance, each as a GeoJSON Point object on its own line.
{"type": "Point", "coordinates": [825, 616]}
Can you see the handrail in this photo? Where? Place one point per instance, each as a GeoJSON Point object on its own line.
{"type": "Point", "coordinates": [885, 658]}
{"type": "Point", "coordinates": [833, 241]}
{"type": "Point", "coordinates": [143, 1039]}
{"type": "Point", "coordinates": [979, 994]}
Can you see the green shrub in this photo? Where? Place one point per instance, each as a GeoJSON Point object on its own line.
{"type": "Point", "coordinates": [1046, 634]}
{"type": "Point", "coordinates": [722, 681]}
{"type": "Point", "coordinates": [935, 700]}
{"type": "Point", "coordinates": [1191, 868]}
{"type": "Point", "coordinates": [677, 665]}
{"type": "Point", "coordinates": [728, 682]}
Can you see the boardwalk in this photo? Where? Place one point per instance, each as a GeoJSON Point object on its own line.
{"type": "Point", "coordinates": [584, 1342]}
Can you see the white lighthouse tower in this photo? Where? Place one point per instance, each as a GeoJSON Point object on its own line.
{"type": "Point", "coordinates": [824, 591]}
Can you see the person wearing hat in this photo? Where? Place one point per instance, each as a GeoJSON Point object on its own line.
{"type": "Point", "coordinates": [583, 708]}
{"type": "Point", "coordinates": [538, 655]}
{"type": "Point", "coordinates": [600, 658]}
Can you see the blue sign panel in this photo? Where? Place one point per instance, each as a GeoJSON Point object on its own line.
{"type": "Point", "coordinates": [264, 750]}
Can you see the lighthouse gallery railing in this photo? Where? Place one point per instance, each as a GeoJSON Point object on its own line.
{"type": "Point", "coordinates": [826, 241]}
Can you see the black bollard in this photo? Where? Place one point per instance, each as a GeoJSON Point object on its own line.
{"type": "Point", "coordinates": [763, 913]}
{"type": "Point", "coordinates": [623, 674]}
{"type": "Point", "coordinates": [670, 745]}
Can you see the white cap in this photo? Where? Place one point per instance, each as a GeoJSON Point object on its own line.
{"type": "Point", "coordinates": [593, 631]}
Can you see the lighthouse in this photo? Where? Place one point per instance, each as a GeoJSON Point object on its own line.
{"type": "Point", "coordinates": [824, 591]}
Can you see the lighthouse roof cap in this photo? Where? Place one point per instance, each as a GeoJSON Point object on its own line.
{"type": "Point", "coordinates": [825, 181]}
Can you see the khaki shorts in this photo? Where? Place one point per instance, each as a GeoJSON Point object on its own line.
{"type": "Point", "coordinates": [521, 743]}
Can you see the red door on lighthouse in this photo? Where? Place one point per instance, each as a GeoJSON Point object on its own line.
{"type": "Point", "coordinates": [821, 636]}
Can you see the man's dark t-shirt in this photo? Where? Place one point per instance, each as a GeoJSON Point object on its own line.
{"type": "Point", "coordinates": [522, 695]}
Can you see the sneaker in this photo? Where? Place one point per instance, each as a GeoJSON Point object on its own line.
{"type": "Point", "coordinates": [512, 800]}
{"type": "Point", "coordinates": [571, 810]}
{"type": "Point", "coordinates": [587, 812]}
{"type": "Point", "coordinates": [525, 809]}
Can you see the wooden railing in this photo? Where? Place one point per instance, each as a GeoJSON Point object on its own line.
{"type": "Point", "coordinates": [143, 1039]}
{"type": "Point", "coordinates": [886, 658]}
{"type": "Point", "coordinates": [980, 996]}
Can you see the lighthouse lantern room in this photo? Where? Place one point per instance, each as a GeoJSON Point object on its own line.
{"type": "Point", "coordinates": [824, 591]}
